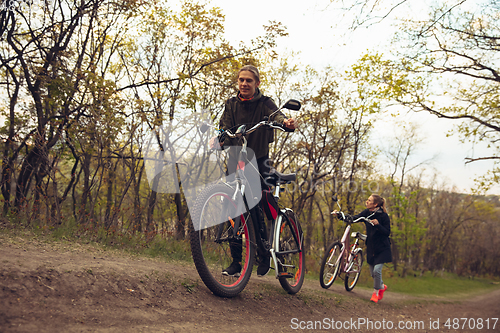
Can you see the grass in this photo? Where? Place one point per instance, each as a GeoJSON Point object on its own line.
{"type": "Point", "coordinates": [135, 244]}
{"type": "Point", "coordinates": [429, 284]}
{"type": "Point", "coordinates": [445, 284]}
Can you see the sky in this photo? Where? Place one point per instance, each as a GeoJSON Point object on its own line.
{"type": "Point", "coordinates": [320, 32]}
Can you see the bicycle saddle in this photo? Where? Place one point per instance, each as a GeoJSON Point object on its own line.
{"type": "Point", "coordinates": [359, 235]}
{"type": "Point", "coordinates": [275, 177]}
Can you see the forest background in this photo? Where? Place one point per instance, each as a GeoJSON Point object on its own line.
{"type": "Point", "coordinates": [85, 83]}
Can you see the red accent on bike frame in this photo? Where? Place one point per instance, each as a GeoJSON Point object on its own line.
{"type": "Point", "coordinates": [241, 166]}
{"type": "Point", "coordinates": [274, 213]}
{"type": "Point", "coordinates": [297, 274]}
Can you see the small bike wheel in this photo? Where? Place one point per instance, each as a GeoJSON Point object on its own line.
{"type": "Point", "coordinates": [214, 242]}
{"type": "Point", "coordinates": [354, 270]}
{"type": "Point", "coordinates": [330, 265]}
{"type": "Point", "coordinates": [291, 256]}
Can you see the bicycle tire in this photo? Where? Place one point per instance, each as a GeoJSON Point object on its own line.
{"type": "Point", "coordinates": [355, 264]}
{"type": "Point", "coordinates": [330, 265]}
{"type": "Point", "coordinates": [291, 265]}
{"type": "Point", "coordinates": [210, 246]}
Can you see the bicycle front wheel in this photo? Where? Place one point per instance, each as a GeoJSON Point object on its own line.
{"type": "Point", "coordinates": [215, 244]}
{"type": "Point", "coordinates": [354, 270]}
{"type": "Point", "coordinates": [330, 265]}
{"type": "Point", "coordinates": [291, 256]}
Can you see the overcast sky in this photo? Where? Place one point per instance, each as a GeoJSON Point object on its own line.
{"type": "Point", "coordinates": [319, 31]}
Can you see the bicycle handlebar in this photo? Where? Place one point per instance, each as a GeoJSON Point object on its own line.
{"type": "Point", "coordinates": [362, 219]}
{"type": "Point", "coordinates": [241, 131]}
{"type": "Point", "coordinates": [349, 219]}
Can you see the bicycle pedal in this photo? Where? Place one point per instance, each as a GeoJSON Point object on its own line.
{"type": "Point", "coordinates": [285, 275]}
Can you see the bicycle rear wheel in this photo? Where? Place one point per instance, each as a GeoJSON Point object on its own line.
{"type": "Point", "coordinates": [354, 270]}
{"type": "Point", "coordinates": [330, 265]}
{"type": "Point", "coordinates": [291, 256]}
{"type": "Point", "coordinates": [214, 244]}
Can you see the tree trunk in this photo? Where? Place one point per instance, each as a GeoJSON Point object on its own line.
{"type": "Point", "coordinates": [108, 220]}
{"type": "Point", "coordinates": [180, 226]}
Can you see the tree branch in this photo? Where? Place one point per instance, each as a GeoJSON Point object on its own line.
{"type": "Point", "coordinates": [470, 159]}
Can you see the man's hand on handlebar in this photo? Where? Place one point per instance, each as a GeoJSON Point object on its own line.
{"type": "Point", "coordinates": [290, 123]}
{"type": "Point", "coordinates": [217, 142]}
{"type": "Point", "coordinates": [212, 142]}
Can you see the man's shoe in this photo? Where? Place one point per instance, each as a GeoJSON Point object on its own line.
{"type": "Point", "coordinates": [381, 292]}
{"type": "Point", "coordinates": [374, 297]}
{"type": "Point", "coordinates": [233, 270]}
{"type": "Point", "coordinates": [264, 266]}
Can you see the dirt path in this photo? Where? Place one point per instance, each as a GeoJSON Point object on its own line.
{"type": "Point", "coordinates": [61, 287]}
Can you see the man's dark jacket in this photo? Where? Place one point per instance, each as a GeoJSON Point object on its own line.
{"type": "Point", "coordinates": [249, 112]}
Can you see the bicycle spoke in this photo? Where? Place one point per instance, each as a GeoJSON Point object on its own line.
{"type": "Point", "coordinates": [215, 245]}
{"type": "Point", "coordinates": [291, 257]}
{"type": "Point", "coordinates": [354, 271]}
{"type": "Point", "coordinates": [330, 265]}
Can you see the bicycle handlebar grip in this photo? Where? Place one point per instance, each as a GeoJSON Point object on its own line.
{"type": "Point", "coordinates": [221, 137]}
{"type": "Point", "coordinates": [276, 124]}
{"type": "Point", "coordinates": [282, 126]}
{"type": "Point", "coordinates": [286, 129]}
{"type": "Point", "coordinates": [219, 142]}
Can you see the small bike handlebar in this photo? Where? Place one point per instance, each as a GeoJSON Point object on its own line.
{"type": "Point", "coordinates": [349, 219]}
{"type": "Point", "coordinates": [362, 219]}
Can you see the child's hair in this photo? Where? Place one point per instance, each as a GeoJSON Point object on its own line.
{"type": "Point", "coordinates": [379, 201]}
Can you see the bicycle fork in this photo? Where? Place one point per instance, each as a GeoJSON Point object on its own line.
{"type": "Point", "coordinates": [275, 246]}
{"type": "Point", "coordinates": [278, 226]}
{"type": "Point", "coordinates": [353, 253]}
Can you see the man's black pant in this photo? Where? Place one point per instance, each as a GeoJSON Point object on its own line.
{"type": "Point", "coordinates": [257, 216]}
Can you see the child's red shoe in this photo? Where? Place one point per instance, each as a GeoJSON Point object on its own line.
{"type": "Point", "coordinates": [381, 292]}
{"type": "Point", "coordinates": [374, 297]}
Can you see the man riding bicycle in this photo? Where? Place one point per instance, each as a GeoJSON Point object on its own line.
{"type": "Point", "coordinates": [250, 106]}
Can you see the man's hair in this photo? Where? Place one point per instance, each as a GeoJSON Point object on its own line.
{"type": "Point", "coordinates": [251, 69]}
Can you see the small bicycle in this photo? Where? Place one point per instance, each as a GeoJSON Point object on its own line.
{"type": "Point", "coordinates": [223, 224]}
{"type": "Point", "coordinates": [342, 257]}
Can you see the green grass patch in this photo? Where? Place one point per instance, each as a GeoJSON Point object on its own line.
{"type": "Point", "coordinates": [169, 248]}
{"type": "Point", "coordinates": [158, 246]}
{"type": "Point", "coordinates": [428, 284]}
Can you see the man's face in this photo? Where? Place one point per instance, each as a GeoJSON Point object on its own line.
{"type": "Point", "coordinates": [247, 84]}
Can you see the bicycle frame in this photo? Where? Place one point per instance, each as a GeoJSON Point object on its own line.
{"type": "Point", "coordinates": [345, 241]}
{"type": "Point", "coordinates": [276, 225]}
{"type": "Point", "coordinates": [347, 251]}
